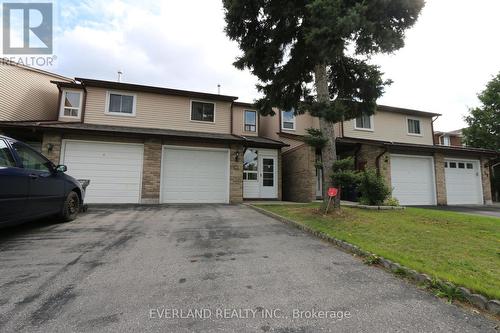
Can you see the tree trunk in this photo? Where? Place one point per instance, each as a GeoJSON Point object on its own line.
{"type": "Point", "coordinates": [328, 153]}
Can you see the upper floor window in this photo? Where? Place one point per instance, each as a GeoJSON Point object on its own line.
{"type": "Point", "coordinates": [250, 121]}
{"type": "Point", "coordinates": [364, 122]}
{"type": "Point", "coordinates": [71, 103]}
{"type": "Point", "coordinates": [121, 104]}
{"type": "Point", "coordinates": [445, 140]}
{"type": "Point", "coordinates": [288, 120]}
{"type": "Point", "coordinates": [203, 111]}
{"type": "Point", "coordinates": [414, 127]}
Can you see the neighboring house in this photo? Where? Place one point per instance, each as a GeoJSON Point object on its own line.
{"type": "Point", "coordinates": [399, 144]}
{"type": "Point", "coordinates": [452, 138]}
{"type": "Point", "coordinates": [26, 94]}
{"type": "Point", "coordinates": [142, 144]}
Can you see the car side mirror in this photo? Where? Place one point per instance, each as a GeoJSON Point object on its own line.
{"type": "Point", "coordinates": [61, 168]}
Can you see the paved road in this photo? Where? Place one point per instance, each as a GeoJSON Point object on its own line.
{"type": "Point", "coordinates": [492, 210]}
{"type": "Point", "coordinates": [114, 269]}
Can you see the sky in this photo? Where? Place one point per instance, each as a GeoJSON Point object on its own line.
{"type": "Point", "coordinates": [449, 56]}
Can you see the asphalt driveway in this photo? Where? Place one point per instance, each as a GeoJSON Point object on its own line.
{"type": "Point", "coordinates": [142, 269]}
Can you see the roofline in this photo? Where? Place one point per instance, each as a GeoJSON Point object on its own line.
{"type": "Point", "coordinates": [139, 131]}
{"type": "Point", "coordinates": [414, 146]}
{"type": "Point", "coordinates": [62, 84]}
{"type": "Point", "coordinates": [154, 90]}
{"type": "Point", "coordinates": [4, 61]}
{"type": "Point", "coordinates": [387, 108]}
{"type": "Point", "coordinates": [245, 104]}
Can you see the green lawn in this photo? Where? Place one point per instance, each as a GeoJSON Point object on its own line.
{"type": "Point", "coordinates": [459, 248]}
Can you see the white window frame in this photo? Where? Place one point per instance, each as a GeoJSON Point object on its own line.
{"type": "Point", "coordinates": [294, 122]}
{"type": "Point", "coordinates": [252, 171]}
{"type": "Point", "coordinates": [245, 123]}
{"type": "Point", "coordinates": [191, 111]}
{"type": "Point", "coordinates": [372, 126]}
{"type": "Point", "coordinates": [120, 114]}
{"type": "Point", "coordinates": [419, 126]}
{"type": "Point", "coordinates": [446, 140]}
{"type": "Point", "coordinates": [63, 97]}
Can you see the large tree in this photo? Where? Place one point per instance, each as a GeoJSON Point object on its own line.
{"type": "Point", "coordinates": [312, 55]}
{"type": "Point", "coordinates": [484, 121]}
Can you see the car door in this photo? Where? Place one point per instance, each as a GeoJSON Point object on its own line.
{"type": "Point", "coordinates": [14, 187]}
{"type": "Point", "coordinates": [46, 186]}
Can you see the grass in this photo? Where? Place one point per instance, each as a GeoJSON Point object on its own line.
{"type": "Point", "coordinates": [459, 248]}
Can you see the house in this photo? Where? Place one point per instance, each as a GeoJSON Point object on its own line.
{"type": "Point", "coordinates": [399, 144]}
{"type": "Point", "coordinates": [452, 138]}
{"type": "Point", "coordinates": [143, 144]}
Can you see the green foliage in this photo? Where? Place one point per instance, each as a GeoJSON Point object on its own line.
{"type": "Point", "coordinates": [484, 121]}
{"type": "Point", "coordinates": [315, 138]}
{"type": "Point", "coordinates": [343, 173]}
{"type": "Point", "coordinates": [391, 202]}
{"type": "Point", "coordinates": [372, 188]}
{"type": "Point", "coordinates": [445, 290]}
{"type": "Point", "coordinates": [372, 260]}
{"type": "Point", "coordinates": [283, 41]}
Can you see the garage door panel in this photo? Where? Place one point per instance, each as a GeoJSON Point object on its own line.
{"type": "Point", "coordinates": [463, 185]}
{"type": "Point", "coordinates": [412, 179]}
{"type": "Point", "coordinates": [195, 176]}
{"type": "Point", "coordinates": [114, 170]}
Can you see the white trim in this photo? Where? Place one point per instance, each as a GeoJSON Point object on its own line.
{"type": "Point", "coordinates": [120, 114]}
{"type": "Point", "coordinates": [294, 121]}
{"type": "Point", "coordinates": [371, 129]}
{"type": "Point", "coordinates": [62, 106]}
{"type": "Point", "coordinates": [201, 101]}
{"type": "Point", "coordinates": [256, 121]}
{"type": "Point", "coordinates": [419, 126]}
{"type": "Point", "coordinates": [63, 150]}
{"type": "Point", "coordinates": [433, 171]}
{"type": "Point", "coordinates": [163, 147]}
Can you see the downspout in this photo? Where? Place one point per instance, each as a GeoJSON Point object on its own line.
{"type": "Point", "coordinates": [377, 159]}
{"type": "Point", "coordinates": [356, 151]}
{"type": "Point", "coordinates": [432, 128]}
{"type": "Point", "coordinates": [59, 102]}
{"type": "Point", "coordinates": [231, 117]}
{"type": "Point", "coordinates": [84, 104]}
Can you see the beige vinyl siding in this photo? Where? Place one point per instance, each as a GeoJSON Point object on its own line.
{"type": "Point", "coordinates": [239, 121]}
{"type": "Point", "coordinates": [27, 94]}
{"type": "Point", "coordinates": [391, 126]}
{"type": "Point", "coordinates": [156, 111]}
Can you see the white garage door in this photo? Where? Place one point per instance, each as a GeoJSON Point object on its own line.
{"type": "Point", "coordinates": [114, 169]}
{"type": "Point", "coordinates": [412, 179]}
{"type": "Point", "coordinates": [463, 182]}
{"type": "Point", "coordinates": [195, 175]}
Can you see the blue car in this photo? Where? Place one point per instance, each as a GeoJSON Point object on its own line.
{"type": "Point", "coordinates": [32, 187]}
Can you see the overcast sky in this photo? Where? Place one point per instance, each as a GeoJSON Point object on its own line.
{"type": "Point", "coordinates": [450, 54]}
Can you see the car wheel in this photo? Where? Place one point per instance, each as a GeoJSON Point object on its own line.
{"type": "Point", "coordinates": [71, 207]}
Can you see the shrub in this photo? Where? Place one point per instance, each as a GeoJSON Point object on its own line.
{"type": "Point", "coordinates": [391, 202]}
{"type": "Point", "coordinates": [372, 188]}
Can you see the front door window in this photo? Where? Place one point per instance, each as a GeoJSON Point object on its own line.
{"type": "Point", "coordinates": [268, 172]}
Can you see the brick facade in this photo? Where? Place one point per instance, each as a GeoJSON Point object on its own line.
{"type": "Point", "coordinates": [367, 157]}
{"type": "Point", "coordinates": [299, 174]}
{"type": "Point", "coordinates": [236, 174]}
{"type": "Point", "coordinates": [151, 171]}
{"type": "Point", "coordinates": [486, 180]}
{"type": "Point", "coordinates": [51, 146]}
{"type": "Point", "coordinates": [439, 172]}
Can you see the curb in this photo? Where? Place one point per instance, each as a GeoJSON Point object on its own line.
{"type": "Point", "coordinates": [480, 301]}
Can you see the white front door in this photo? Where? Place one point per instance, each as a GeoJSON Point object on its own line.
{"type": "Point", "coordinates": [268, 178]}
{"type": "Point", "coordinates": [463, 182]}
